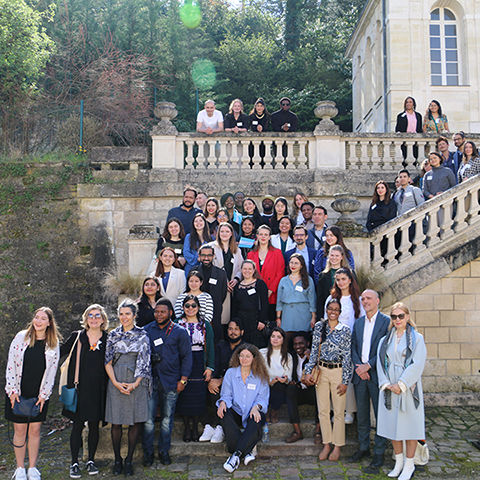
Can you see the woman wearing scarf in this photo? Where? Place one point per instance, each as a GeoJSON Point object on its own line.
{"type": "Point", "coordinates": [400, 363]}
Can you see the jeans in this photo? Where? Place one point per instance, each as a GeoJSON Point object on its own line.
{"type": "Point", "coordinates": [166, 401]}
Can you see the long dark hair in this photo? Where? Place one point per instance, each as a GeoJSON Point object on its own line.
{"type": "Point", "coordinates": [303, 269]}
{"type": "Point", "coordinates": [143, 298]}
{"type": "Point", "coordinates": [215, 201]}
{"type": "Point", "coordinates": [257, 217]}
{"type": "Point", "coordinates": [250, 219]}
{"type": "Point", "coordinates": [376, 198]}
{"type": "Point", "coordinates": [283, 349]}
{"type": "Point", "coordinates": [339, 235]}
{"type": "Point", "coordinates": [262, 101]}
{"type": "Point", "coordinates": [160, 270]}
{"type": "Point", "coordinates": [429, 112]}
{"type": "Point", "coordinates": [194, 298]}
{"type": "Point", "coordinates": [474, 151]}
{"type": "Point", "coordinates": [195, 241]}
{"type": "Point", "coordinates": [405, 103]}
{"type": "Point", "coordinates": [166, 234]}
{"type": "Point", "coordinates": [354, 290]}
{"type": "Point", "coordinates": [324, 324]}
{"type": "Point", "coordinates": [195, 273]}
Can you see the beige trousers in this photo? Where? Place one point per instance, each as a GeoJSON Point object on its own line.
{"type": "Point", "coordinates": [325, 389]}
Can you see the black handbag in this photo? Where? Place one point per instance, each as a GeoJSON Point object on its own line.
{"type": "Point", "coordinates": [26, 407]}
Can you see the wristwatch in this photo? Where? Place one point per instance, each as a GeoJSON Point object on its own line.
{"type": "Point", "coordinates": [183, 382]}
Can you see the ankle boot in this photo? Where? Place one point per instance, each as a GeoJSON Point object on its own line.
{"type": "Point", "coordinates": [397, 470]}
{"type": "Point", "coordinates": [408, 470]}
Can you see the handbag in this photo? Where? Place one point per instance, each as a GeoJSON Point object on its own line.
{"type": "Point", "coordinates": [26, 407]}
{"type": "Point", "coordinates": [422, 453]}
{"type": "Point", "coordinates": [69, 396]}
{"type": "Point", "coordinates": [64, 368]}
{"type": "Point", "coordinates": [316, 371]}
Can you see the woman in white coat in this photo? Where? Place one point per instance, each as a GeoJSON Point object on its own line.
{"type": "Point", "coordinates": [228, 256]}
{"type": "Point", "coordinates": [170, 275]}
{"type": "Point", "coordinates": [400, 363]}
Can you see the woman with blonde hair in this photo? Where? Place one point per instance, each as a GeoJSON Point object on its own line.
{"type": "Point", "coordinates": [235, 120]}
{"type": "Point", "coordinates": [32, 364]}
{"type": "Point", "coordinates": [91, 386]}
{"type": "Point", "coordinates": [400, 362]}
{"type": "Point", "coordinates": [298, 200]}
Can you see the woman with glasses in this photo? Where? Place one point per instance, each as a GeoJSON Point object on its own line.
{"type": "Point", "coordinates": [192, 401]}
{"type": "Point", "coordinates": [92, 382]}
{"type": "Point", "coordinates": [400, 362]}
{"type": "Point", "coordinates": [331, 350]}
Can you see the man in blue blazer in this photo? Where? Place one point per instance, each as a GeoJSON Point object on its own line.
{"type": "Point", "coordinates": [316, 236]}
{"type": "Point", "coordinates": [367, 332]}
{"type": "Point", "coordinates": [300, 238]}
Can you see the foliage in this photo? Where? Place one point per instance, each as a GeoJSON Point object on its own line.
{"type": "Point", "coordinates": [122, 282]}
{"type": "Point", "coordinates": [69, 134]}
{"type": "Point", "coordinates": [25, 48]}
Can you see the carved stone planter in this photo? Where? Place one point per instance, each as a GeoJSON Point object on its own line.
{"type": "Point", "coordinates": [326, 110]}
{"type": "Point", "coordinates": [346, 204]}
{"type": "Point", "coordinates": [166, 111]}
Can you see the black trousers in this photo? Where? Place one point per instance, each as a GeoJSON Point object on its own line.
{"type": "Point", "coordinates": [300, 396]}
{"type": "Point", "coordinates": [277, 395]}
{"type": "Point", "coordinates": [238, 440]}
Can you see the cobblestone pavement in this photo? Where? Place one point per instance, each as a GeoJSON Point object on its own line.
{"type": "Point", "coordinates": [449, 433]}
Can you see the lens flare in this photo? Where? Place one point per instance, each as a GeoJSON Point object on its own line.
{"type": "Point", "coordinates": [203, 74]}
{"type": "Point", "coordinates": [190, 14]}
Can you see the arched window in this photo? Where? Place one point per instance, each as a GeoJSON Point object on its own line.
{"type": "Point", "coordinates": [444, 48]}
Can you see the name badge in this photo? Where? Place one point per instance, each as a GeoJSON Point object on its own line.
{"type": "Point", "coordinates": [408, 194]}
{"type": "Point", "coordinates": [251, 291]}
{"type": "Point", "coordinates": [254, 122]}
{"type": "Point", "coordinates": [178, 251]}
{"type": "Point", "coordinates": [428, 178]}
{"type": "Point", "coordinates": [239, 124]}
{"type": "Point", "coordinates": [213, 281]}
{"type": "Point", "coordinates": [299, 288]}
{"type": "Point", "coordinates": [251, 386]}
{"type": "Point", "coordinates": [324, 238]}
{"type": "Point", "coordinates": [374, 207]}
{"type": "Point", "coordinates": [158, 342]}
{"type": "Point", "coordinates": [468, 166]}
{"type": "Point", "coordinates": [232, 260]}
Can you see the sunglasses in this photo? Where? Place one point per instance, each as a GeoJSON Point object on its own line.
{"type": "Point", "coordinates": [401, 316]}
{"type": "Point", "coordinates": [91, 315]}
{"type": "Point", "coordinates": [285, 104]}
{"type": "Point", "coordinates": [191, 305]}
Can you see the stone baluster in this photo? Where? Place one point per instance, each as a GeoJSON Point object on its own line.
{"type": "Point", "coordinates": [410, 158]}
{"type": "Point", "coordinates": [405, 243]}
{"type": "Point", "coordinates": [397, 159]}
{"type": "Point", "coordinates": [445, 220]}
{"type": "Point", "coordinates": [391, 250]}
{"type": "Point", "coordinates": [461, 215]}
{"type": "Point", "coordinates": [223, 158]}
{"type": "Point", "coordinates": [377, 254]}
{"type": "Point", "coordinates": [189, 159]}
{"type": "Point", "coordinates": [290, 159]}
{"type": "Point", "coordinates": [474, 207]}
{"type": "Point", "coordinates": [364, 159]}
{"type": "Point", "coordinates": [269, 158]}
{"type": "Point", "coordinates": [433, 228]}
{"type": "Point", "coordinates": [302, 158]}
{"type": "Point", "coordinates": [211, 158]}
{"type": "Point", "coordinates": [350, 153]}
{"type": "Point", "coordinates": [377, 162]}
{"type": "Point", "coordinates": [418, 244]}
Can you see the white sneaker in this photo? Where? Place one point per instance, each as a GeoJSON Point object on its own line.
{"type": "Point", "coordinates": [207, 434]}
{"type": "Point", "coordinates": [250, 457]}
{"type": "Point", "coordinates": [218, 436]}
{"type": "Point", "coordinates": [20, 474]}
{"type": "Point", "coordinates": [348, 419]}
{"type": "Point", "coordinates": [232, 463]}
{"type": "Point", "coordinates": [33, 474]}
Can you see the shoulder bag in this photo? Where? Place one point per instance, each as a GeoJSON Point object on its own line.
{"type": "Point", "coordinates": [69, 395]}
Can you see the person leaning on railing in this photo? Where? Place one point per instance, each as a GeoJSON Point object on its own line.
{"type": "Point", "coordinates": [209, 120]}
{"type": "Point", "coordinates": [439, 179]}
{"type": "Point", "coordinates": [235, 120]}
{"type": "Point", "coordinates": [470, 165]}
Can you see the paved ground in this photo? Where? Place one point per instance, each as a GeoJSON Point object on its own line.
{"type": "Point", "coordinates": [449, 432]}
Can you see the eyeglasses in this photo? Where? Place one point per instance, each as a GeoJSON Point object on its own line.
{"type": "Point", "coordinates": [97, 315]}
{"type": "Point", "coordinates": [191, 305]}
{"type": "Point", "coordinates": [401, 316]}
{"type": "Point", "coordinates": [285, 104]}
{"type": "Point", "coordinates": [208, 255]}
{"type": "Point", "coordinates": [298, 234]}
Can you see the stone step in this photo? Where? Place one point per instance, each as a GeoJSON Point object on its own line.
{"type": "Point", "coordinates": [276, 447]}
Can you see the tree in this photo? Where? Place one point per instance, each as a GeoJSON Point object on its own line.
{"type": "Point", "coordinates": [24, 49]}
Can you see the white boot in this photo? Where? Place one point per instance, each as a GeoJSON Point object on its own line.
{"type": "Point", "coordinates": [397, 470]}
{"type": "Point", "coordinates": [408, 469]}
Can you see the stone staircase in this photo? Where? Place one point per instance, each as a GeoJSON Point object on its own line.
{"type": "Point", "coordinates": [276, 447]}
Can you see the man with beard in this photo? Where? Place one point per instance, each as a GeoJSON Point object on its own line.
{"type": "Point", "coordinates": [267, 206]}
{"type": "Point", "coordinates": [187, 210]}
{"type": "Point", "coordinates": [307, 212]}
{"type": "Point", "coordinates": [300, 235]}
{"type": "Point", "coordinates": [214, 283]}
{"type": "Point", "coordinates": [223, 353]}
{"type": "Point", "coordinates": [171, 367]}
{"type": "Point", "coordinates": [297, 392]}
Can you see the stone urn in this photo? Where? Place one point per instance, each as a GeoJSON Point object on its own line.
{"type": "Point", "coordinates": [346, 204]}
{"type": "Point", "coordinates": [326, 110]}
{"type": "Point", "coordinates": [166, 111]}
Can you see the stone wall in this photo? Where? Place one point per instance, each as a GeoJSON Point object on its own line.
{"type": "Point", "coordinates": [447, 314]}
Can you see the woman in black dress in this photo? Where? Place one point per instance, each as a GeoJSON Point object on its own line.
{"type": "Point", "coordinates": [173, 236]}
{"type": "Point", "coordinates": [259, 117]}
{"type": "Point", "coordinates": [147, 301]}
{"type": "Point", "coordinates": [211, 211]}
{"type": "Point", "coordinates": [247, 236]}
{"type": "Point", "coordinates": [31, 368]}
{"type": "Point", "coordinates": [250, 304]}
{"type": "Point", "coordinates": [92, 381]}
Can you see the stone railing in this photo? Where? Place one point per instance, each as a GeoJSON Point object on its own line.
{"type": "Point", "coordinates": [427, 232]}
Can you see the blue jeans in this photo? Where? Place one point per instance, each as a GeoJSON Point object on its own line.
{"type": "Point", "coordinates": [166, 401]}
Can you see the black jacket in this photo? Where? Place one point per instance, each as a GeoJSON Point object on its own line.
{"type": "Point", "coordinates": [402, 122]}
{"type": "Point", "coordinates": [381, 213]}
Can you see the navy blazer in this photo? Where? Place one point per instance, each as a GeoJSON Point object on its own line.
{"type": "Point", "coordinates": [312, 253]}
{"type": "Point", "coordinates": [379, 331]}
{"type": "Point", "coordinates": [311, 237]}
